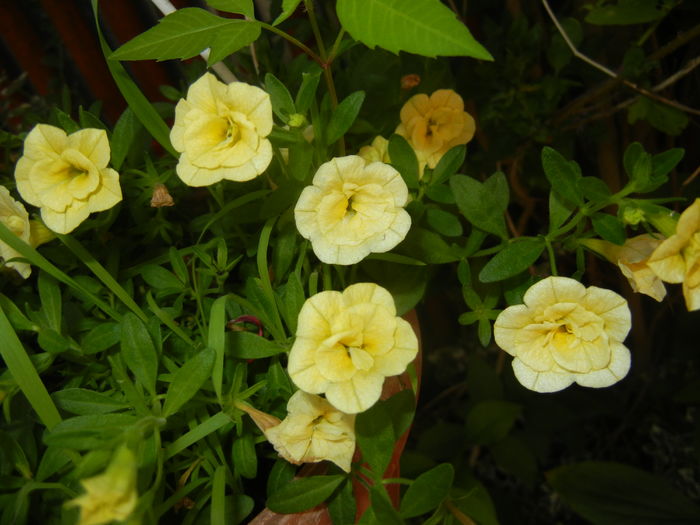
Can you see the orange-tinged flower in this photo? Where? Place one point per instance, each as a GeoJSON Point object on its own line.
{"type": "Point", "coordinates": [677, 259]}
{"type": "Point", "coordinates": [220, 131]}
{"type": "Point", "coordinates": [432, 125]}
{"type": "Point", "coordinates": [347, 343]}
{"type": "Point", "coordinates": [67, 175]}
{"type": "Point", "coordinates": [632, 258]}
{"type": "Point", "coordinates": [313, 431]}
{"type": "Point", "coordinates": [566, 333]}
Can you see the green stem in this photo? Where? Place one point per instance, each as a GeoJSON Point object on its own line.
{"type": "Point", "coordinates": [336, 45]}
{"type": "Point", "coordinates": [552, 259]}
{"type": "Point", "coordinates": [289, 38]}
{"type": "Point", "coordinates": [309, 5]}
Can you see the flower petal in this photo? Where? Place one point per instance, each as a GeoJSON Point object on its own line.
{"type": "Point", "coordinates": [540, 381]}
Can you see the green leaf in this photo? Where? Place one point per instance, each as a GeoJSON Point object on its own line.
{"type": "Point", "coordinates": [138, 351]}
{"type": "Point", "coordinates": [562, 174]}
{"type": "Point", "coordinates": [490, 421]}
{"type": "Point", "coordinates": [282, 473]}
{"type": "Point", "coordinates": [307, 90]}
{"type": "Point", "coordinates": [288, 8]}
{"type": "Point", "coordinates": [82, 402]}
{"type": "Point", "coordinates": [512, 260]}
{"type": "Point", "coordinates": [444, 222]}
{"type": "Point", "coordinates": [105, 335]}
{"type": "Point", "coordinates": [627, 12]}
{"type": "Point", "coordinates": [282, 103]}
{"type": "Point", "coordinates": [384, 511]}
{"type": "Point", "coordinates": [630, 157]}
{"type": "Point", "coordinates": [216, 340]}
{"type": "Point", "coordinates": [428, 247]}
{"type": "Point", "coordinates": [187, 32]}
{"type": "Point", "coordinates": [89, 431]}
{"type": "Point", "coordinates": [89, 120]}
{"type": "Point", "coordinates": [342, 506]}
{"type": "Point", "coordinates": [559, 211]}
{"type": "Point", "coordinates": [18, 320]}
{"type": "Point", "coordinates": [303, 493]}
{"type": "Point", "coordinates": [427, 491]}
{"type": "Point", "coordinates": [594, 189]}
{"type": "Point", "coordinates": [123, 136]}
{"type": "Point", "coordinates": [241, 7]}
{"type": "Point", "coordinates": [484, 332]}
{"type": "Point", "coordinates": [424, 27]}
{"type": "Point", "coordinates": [608, 493]}
{"type": "Point", "coordinates": [441, 193]}
{"type": "Point", "coordinates": [403, 158]}
{"type": "Point", "coordinates": [245, 460]}
{"type": "Point", "coordinates": [449, 164]}
{"type": "Point", "coordinates": [474, 501]}
{"type": "Point", "coordinates": [217, 514]}
{"type": "Point", "coordinates": [665, 118]}
{"type": "Point", "coordinates": [344, 116]}
{"type": "Point", "coordinates": [609, 228]}
{"type": "Point", "coordinates": [161, 279]}
{"type": "Point", "coordinates": [50, 295]}
{"type": "Point", "coordinates": [483, 204]}
{"type": "Point", "coordinates": [402, 407]}
{"type": "Point", "coordinates": [375, 437]}
{"type": "Point", "coordinates": [664, 162]}
{"type": "Point", "coordinates": [246, 345]}
{"type": "Point", "coordinates": [187, 381]}
{"type": "Point", "coordinates": [199, 432]}
{"type": "Point", "coordinates": [292, 300]}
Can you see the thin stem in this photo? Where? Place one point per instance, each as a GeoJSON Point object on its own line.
{"type": "Point", "coordinates": [289, 38]}
{"type": "Point", "coordinates": [552, 259]}
{"type": "Point", "coordinates": [309, 4]}
{"type": "Point", "coordinates": [336, 45]}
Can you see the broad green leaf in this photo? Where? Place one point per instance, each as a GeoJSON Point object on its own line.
{"type": "Point", "coordinates": [246, 345]}
{"type": "Point", "coordinates": [281, 474]}
{"type": "Point", "coordinates": [384, 511]}
{"type": "Point", "coordinates": [483, 204]}
{"type": "Point", "coordinates": [241, 7]}
{"type": "Point", "coordinates": [18, 320]}
{"type": "Point", "coordinates": [562, 174]}
{"type": "Point", "coordinates": [444, 222]}
{"type": "Point", "coordinates": [89, 431]}
{"type": "Point", "coordinates": [474, 500]}
{"type": "Point", "coordinates": [441, 193]}
{"type": "Point", "coordinates": [428, 247]}
{"type": "Point", "coordinates": [424, 27]}
{"type": "Point", "coordinates": [630, 157]}
{"type": "Point", "coordinates": [242, 506]}
{"type": "Point", "coordinates": [609, 227]}
{"type": "Point", "coordinates": [344, 116]}
{"type": "Point", "coordinates": [216, 340]}
{"type": "Point", "coordinates": [288, 8]}
{"type": "Point", "coordinates": [627, 12]}
{"type": "Point", "coordinates": [52, 461]}
{"type": "Point", "coordinates": [53, 342]}
{"type": "Point", "coordinates": [558, 211]}
{"type": "Point", "coordinates": [449, 164]}
{"type": "Point", "coordinates": [667, 119]}
{"type": "Point", "coordinates": [138, 351]}
{"type": "Point", "coordinates": [512, 260]}
{"type": "Point", "coordinates": [105, 335]}
{"type": "Point", "coordinates": [161, 279]}
{"type": "Point", "coordinates": [402, 407]}
{"type": "Point", "coordinates": [82, 402]}
{"type": "Point", "coordinates": [663, 163]}
{"type": "Point", "coordinates": [403, 158]}
{"type": "Point", "coordinates": [245, 460]}
{"type": "Point", "coordinates": [342, 506]}
{"type": "Point", "coordinates": [50, 295]}
{"type": "Point", "coordinates": [307, 90]}
{"type": "Point", "coordinates": [594, 189]}
{"type": "Point", "coordinates": [608, 493]}
{"type": "Point", "coordinates": [303, 493]}
{"type": "Point", "coordinates": [490, 421]}
{"type": "Point", "coordinates": [188, 380]}
{"type": "Point", "coordinates": [186, 33]}
{"type": "Point", "coordinates": [123, 136]}
{"type": "Point", "coordinates": [90, 120]}
{"type": "Point", "coordinates": [375, 437]}
{"type": "Point", "coordinates": [282, 103]}
{"type": "Point", "coordinates": [513, 455]}
{"type": "Point", "coordinates": [292, 300]}
{"type": "Point", "coordinates": [427, 491]}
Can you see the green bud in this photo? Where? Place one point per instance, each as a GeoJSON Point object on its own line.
{"type": "Point", "coordinates": [296, 120]}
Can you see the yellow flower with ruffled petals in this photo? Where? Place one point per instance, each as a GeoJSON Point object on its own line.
{"type": "Point", "coordinates": [347, 343]}
{"type": "Point", "coordinates": [67, 175]}
{"type": "Point", "coordinates": [314, 431]}
{"type": "Point", "coordinates": [434, 124]}
{"type": "Point", "coordinates": [111, 495]}
{"type": "Point", "coordinates": [220, 131]}
{"type": "Point", "coordinates": [353, 209]}
{"type": "Point", "coordinates": [566, 333]}
{"type": "Point", "coordinates": [677, 259]}
{"type": "Point", "coordinates": [377, 151]}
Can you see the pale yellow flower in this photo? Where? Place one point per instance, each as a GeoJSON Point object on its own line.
{"type": "Point", "coordinates": [677, 259]}
{"type": "Point", "coordinates": [378, 151]}
{"type": "Point", "coordinates": [15, 217]}
{"type": "Point", "coordinates": [566, 333]}
{"type": "Point", "coordinates": [220, 130]}
{"type": "Point", "coordinates": [353, 209]}
{"type": "Point", "coordinates": [111, 495]}
{"type": "Point", "coordinates": [432, 125]}
{"type": "Point", "coordinates": [632, 258]}
{"type": "Point", "coordinates": [67, 175]}
{"type": "Point", "coordinates": [314, 431]}
{"type": "Point", "coordinates": [347, 343]}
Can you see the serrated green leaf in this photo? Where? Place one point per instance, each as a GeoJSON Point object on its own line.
{"type": "Point", "coordinates": [187, 32]}
{"type": "Point", "coordinates": [483, 204]}
{"type": "Point", "coordinates": [138, 351]}
{"type": "Point", "coordinates": [512, 260]}
{"type": "Point", "coordinates": [562, 174]}
{"type": "Point", "coordinates": [303, 493]}
{"type": "Point", "coordinates": [424, 27]}
{"type": "Point", "coordinates": [187, 381]}
{"type": "Point", "coordinates": [344, 116]}
{"type": "Point", "coordinates": [427, 491]}
{"type": "Point", "coordinates": [241, 7]}
{"type": "Point", "coordinates": [288, 8]}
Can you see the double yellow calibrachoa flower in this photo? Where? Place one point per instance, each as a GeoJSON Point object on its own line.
{"type": "Point", "coordinates": [67, 175]}
{"type": "Point", "coordinates": [566, 333]}
{"type": "Point", "coordinates": [221, 132]}
{"type": "Point", "coordinates": [347, 343]}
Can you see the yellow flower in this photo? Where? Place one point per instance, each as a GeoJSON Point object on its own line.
{"type": "Point", "coordinates": [220, 130]}
{"type": "Point", "coordinates": [347, 343]}
{"type": "Point", "coordinates": [677, 259]}
{"type": "Point", "coordinates": [566, 332]}
{"type": "Point", "coordinates": [15, 217]}
{"type": "Point", "coordinates": [632, 259]}
{"type": "Point", "coordinates": [111, 495]}
{"type": "Point", "coordinates": [313, 431]}
{"type": "Point", "coordinates": [378, 151]}
{"type": "Point", "coordinates": [432, 125]}
{"type": "Point", "coordinates": [67, 175]}
{"type": "Point", "coordinates": [353, 209]}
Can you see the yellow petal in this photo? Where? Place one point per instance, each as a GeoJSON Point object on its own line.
{"type": "Point", "coordinates": [92, 143]}
{"type": "Point", "coordinates": [357, 394]}
{"type": "Point", "coordinates": [552, 290]}
{"type": "Point", "coordinates": [543, 382]}
{"type": "Point", "coordinates": [615, 371]}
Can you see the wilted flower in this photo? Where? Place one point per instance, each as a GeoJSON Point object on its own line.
{"type": "Point", "coordinates": [410, 81]}
{"type": "Point", "coordinates": [566, 332]}
{"type": "Point", "coordinates": [220, 130]}
{"type": "Point", "coordinates": [432, 125]}
{"type": "Point", "coordinates": [347, 343]}
{"type": "Point", "coordinates": [677, 259]}
{"type": "Point", "coordinates": [378, 151]}
{"type": "Point", "coordinates": [313, 431]}
{"type": "Point", "coordinates": [161, 197]}
{"type": "Point", "coordinates": [111, 495]}
{"type": "Point", "coordinates": [632, 258]}
{"type": "Point", "coordinates": [67, 175]}
{"type": "Point", "coordinates": [353, 209]}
